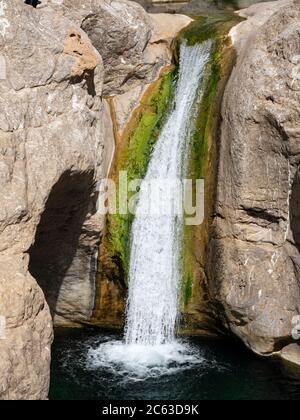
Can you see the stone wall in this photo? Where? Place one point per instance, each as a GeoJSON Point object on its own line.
{"type": "Point", "coordinates": [254, 246]}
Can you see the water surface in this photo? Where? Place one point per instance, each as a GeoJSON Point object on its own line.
{"type": "Point", "coordinates": [217, 370]}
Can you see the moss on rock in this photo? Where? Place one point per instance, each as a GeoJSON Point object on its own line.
{"type": "Point", "coordinates": [133, 157]}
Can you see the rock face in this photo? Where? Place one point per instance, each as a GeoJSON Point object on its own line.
{"type": "Point", "coordinates": [122, 31]}
{"type": "Point", "coordinates": [291, 355]}
{"type": "Point", "coordinates": [52, 151]}
{"type": "Point", "coordinates": [135, 46]}
{"type": "Point", "coordinates": [254, 248]}
{"type": "Point", "coordinates": [164, 30]}
{"type": "Point", "coordinates": [25, 334]}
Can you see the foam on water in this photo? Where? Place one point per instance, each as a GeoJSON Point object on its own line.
{"type": "Point", "coordinates": [139, 362]}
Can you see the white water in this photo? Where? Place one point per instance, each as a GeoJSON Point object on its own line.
{"type": "Point", "coordinates": [150, 347]}
{"type": "Point", "coordinates": [154, 274]}
{"type": "Point", "coordinates": [138, 362]}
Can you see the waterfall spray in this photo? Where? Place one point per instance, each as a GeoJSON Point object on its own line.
{"type": "Point", "coordinates": [150, 348]}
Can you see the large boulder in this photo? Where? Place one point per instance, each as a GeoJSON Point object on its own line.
{"type": "Point", "coordinates": [25, 332]}
{"type": "Point", "coordinates": [254, 265]}
{"type": "Point", "coordinates": [121, 31]}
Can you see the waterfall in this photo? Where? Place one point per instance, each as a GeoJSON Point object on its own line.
{"type": "Point", "coordinates": [150, 348]}
{"type": "Point", "coordinates": [154, 273]}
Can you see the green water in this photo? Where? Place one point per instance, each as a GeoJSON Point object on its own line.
{"type": "Point", "coordinates": [227, 371]}
{"type": "Point", "coordinates": [197, 7]}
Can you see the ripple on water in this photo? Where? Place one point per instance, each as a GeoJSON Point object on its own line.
{"type": "Point", "coordinates": [93, 366]}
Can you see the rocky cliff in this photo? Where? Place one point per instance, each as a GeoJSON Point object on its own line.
{"type": "Point", "coordinates": [54, 147]}
{"type": "Point", "coordinates": [57, 139]}
{"type": "Point", "coordinates": [254, 247]}
{"type": "Point", "coordinates": [72, 75]}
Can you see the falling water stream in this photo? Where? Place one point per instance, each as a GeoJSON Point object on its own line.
{"type": "Point", "coordinates": [154, 275]}
{"type": "Point", "coordinates": [150, 346]}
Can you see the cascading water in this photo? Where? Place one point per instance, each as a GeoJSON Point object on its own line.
{"type": "Point", "coordinates": [154, 275]}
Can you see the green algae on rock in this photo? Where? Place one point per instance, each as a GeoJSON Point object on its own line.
{"type": "Point", "coordinates": [134, 157]}
{"type": "Point", "coordinates": [133, 153]}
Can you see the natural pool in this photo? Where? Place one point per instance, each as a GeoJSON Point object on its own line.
{"type": "Point", "coordinates": [215, 370]}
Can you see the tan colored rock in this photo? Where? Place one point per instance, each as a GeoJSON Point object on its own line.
{"type": "Point", "coordinates": [254, 248]}
{"type": "Point", "coordinates": [87, 59]}
{"type": "Point", "coordinates": [256, 16]}
{"type": "Point", "coordinates": [125, 104]}
{"type": "Point", "coordinates": [56, 143]}
{"type": "Point", "coordinates": [291, 354]}
{"type": "Point", "coordinates": [166, 27]}
{"type": "Point", "coordinates": [120, 31]}
{"type": "Point", "coordinates": [135, 46]}
{"type": "Point", "coordinates": [25, 343]}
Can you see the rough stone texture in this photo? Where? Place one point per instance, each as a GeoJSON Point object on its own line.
{"type": "Point", "coordinates": [121, 31]}
{"type": "Point", "coordinates": [135, 46]}
{"type": "Point", "coordinates": [243, 34]}
{"type": "Point", "coordinates": [254, 265]}
{"type": "Point", "coordinates": [52, 151]}
{"type": "Point", "coordinates": [291, 354]}
{"type": "Point", "coordinates": [165, 28]}
{"type": "Point", "coordinates": [25, 345]}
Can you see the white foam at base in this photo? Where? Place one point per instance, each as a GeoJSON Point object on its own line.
{"type": "Point", "coordinates": [143, 361]}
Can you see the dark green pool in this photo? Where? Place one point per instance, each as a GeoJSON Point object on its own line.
{"type": "Point", "coordinates": [226, 371]}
